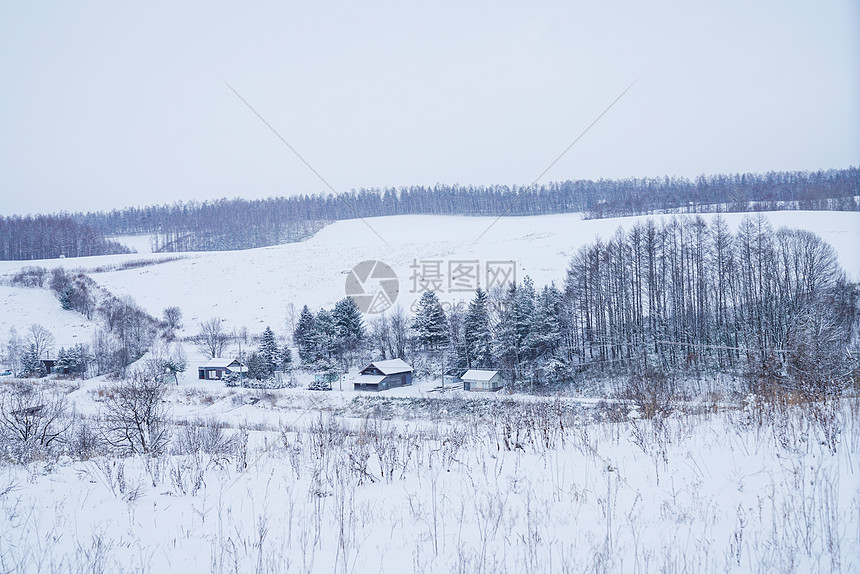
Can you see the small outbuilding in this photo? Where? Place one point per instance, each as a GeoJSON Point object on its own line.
{"type": "Point", "coordinates": [383, 375]}
{"type": "Point", "coordinates": [217, 368]}
{"type": "Point", "coordinates": [481, 380]}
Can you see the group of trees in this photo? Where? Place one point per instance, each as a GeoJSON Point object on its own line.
{"type": "Point", "coordinates": [240, 223]}
{"type": "Point", "coordinates": [24, 354]}
{"type": "Point", "coordinates": [517, 330]}
{"type": "Point", "coordinates": [269, 357]}
{"type": "Point", "coordinates": [124, 333]}
{"type": "Point", "coordinates": [36, 421]}
{"type": "Point", "coordinates": [676, 297]}
{"type": "Point", "coordinates": [688, 295]}
{"type": "Point", "coordinates": [327, 340]}
{"type": "Point", "coordinates": [52, 236]}
{"type": "Point", "coordinates": [75, 291]}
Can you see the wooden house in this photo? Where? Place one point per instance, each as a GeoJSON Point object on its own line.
{"type": "Point", "coordinates": [481, 380]}
{"type": "Point", "coordinates": [217, 368]}
{"type": "Point", "coordinates": [382, 375]}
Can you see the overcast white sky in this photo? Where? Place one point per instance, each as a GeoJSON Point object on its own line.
{"type": "Point", "coordinates": [110, 104]}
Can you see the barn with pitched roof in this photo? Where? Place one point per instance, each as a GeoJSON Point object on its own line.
{"type": "Point", "coordinates": [383, 375]}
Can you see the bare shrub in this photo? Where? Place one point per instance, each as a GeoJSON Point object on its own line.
{"type": "Point", "coordinates": [206, 437]}
{"type": "Point", "coordinates": [32, 422]}
{"type": "Point", "coordinates": [84, 442]}
{"type": "Point", "coordinates": [652, 391]}
{"type": "Point", "coordinates": [135, 419]}
{"type": "Point", "coordinates": [29, 277]}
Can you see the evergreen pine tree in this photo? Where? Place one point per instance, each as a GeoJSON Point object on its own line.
{"type": "Point", "coordinates": [31, 366]}
{"type": "Point", "coordinates": [515, 331]}
{"type": "Point", "coordinates": [544, 340]}
{"type": "Point", "coordinates": [304, 336]}
{"type": "Point", "coordinates": [348, 323]}
{"type": "Point", "coordinates": [286, 358]}
{"type": "Point", "coordinates": [507, 342]}
{"type": "Point", "coordinates": [269, 351]}
{"type": "Point", "coordinates": [545, 332]}
{"type": "Point", "coordinates": [258, 367]}
{"type": "Point", "coordinates": [477, 334]}
{"type": "Point", "coordinates": [456, 355]}
{"type": "Point", "coordinates": [63, 363]}
{"type": "Point", "coordinates": [523, 318]}
{"type": "Point", "coordinates": [430, 323]}
{"type": "Point", "coordinates": [324, 336]}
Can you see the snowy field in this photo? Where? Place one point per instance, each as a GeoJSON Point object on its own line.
{"type": "Point", "coordinates": [297, 481]}
{"type": "Point", "coordinates": [255, 288]}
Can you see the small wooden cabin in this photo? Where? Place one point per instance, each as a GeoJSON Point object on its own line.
{"type": "Point", "coordinates": [383, 375]}
{"type": "Point", "coordinates": [217, 368]}
{"type": "Point", "coordinates": [481, 380]}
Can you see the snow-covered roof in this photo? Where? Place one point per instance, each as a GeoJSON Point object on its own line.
{"type": "Point", "coordinates": [392, 366]}
{"type": "Point", "coordinates": [368, 379]}
{"type": "Point", "coordinates": [219, 363]}
{"type": "Point", "coordinates": [478, 375]}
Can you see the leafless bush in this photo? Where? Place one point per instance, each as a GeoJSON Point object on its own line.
{"type": "Point", "coordinates": [651, 391]}
{"type": "Point", "coordinates": [83, 441]}
{"type": "Point", "coordinates": [32, 422]}
{"type": "Point", "coordinates": [206, 437]}
{"type": "Point", "coordinates": [135, 419]}
{"type": "Point", "coordinates": [380, 434]}
{"type": "Point", "coordinates": [29, 277]}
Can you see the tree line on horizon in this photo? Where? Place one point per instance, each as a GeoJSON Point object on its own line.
{"type": "Point", "coordinates": [51, 237]}
{"type": "Point", "coordinates": [240, 223]}
{"type": "Point", "coordinates": [230, 224]}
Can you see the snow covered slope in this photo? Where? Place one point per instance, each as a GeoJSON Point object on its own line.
{"type": "Point", "coordinates": [254, 288]}
{"type": "Point", "coordinates": [21, 308]}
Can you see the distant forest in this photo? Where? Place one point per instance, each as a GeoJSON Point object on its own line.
{"type": "Point", "coordinates": [49, 237]}
{"type": "Point", "coordinates": [241, 224]}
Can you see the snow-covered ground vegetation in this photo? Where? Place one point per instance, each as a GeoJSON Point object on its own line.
{"type": "Point", "coordinates": [235, 480]}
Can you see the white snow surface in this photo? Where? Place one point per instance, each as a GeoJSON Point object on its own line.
{"type": "Point", "coordinates": [20, 308]}
{"type": "Point", "coordinates": [138, 243]}
{"type": "Point", "coordinates": [392, 366]}
{"type": "Point", "coordinates": [426, 482]}
{"type": "Point", "coordinates": [478, 375]}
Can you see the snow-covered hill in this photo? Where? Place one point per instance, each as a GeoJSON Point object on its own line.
{"type": "Point", "coordinates": [255, 287]}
